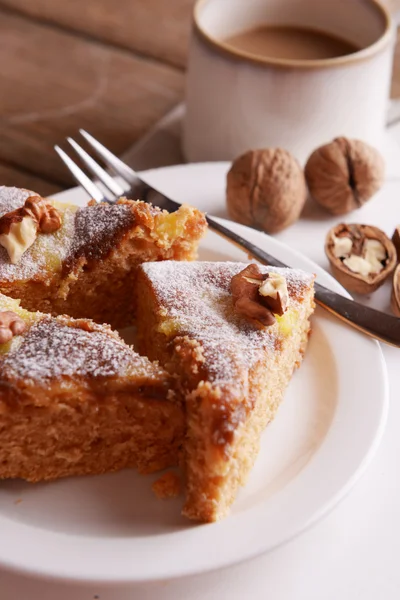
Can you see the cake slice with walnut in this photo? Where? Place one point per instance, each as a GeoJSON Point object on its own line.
{"type": "Point", "coordinates": [63, 259]}
{"type": "Point", "coordinates": [232, 335]}
{"type": "Point", "coordinates": [76, 400]}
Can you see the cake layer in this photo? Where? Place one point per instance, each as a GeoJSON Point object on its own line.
{"type": "Point", "coordinates": [75, 399]}
{"type": "Point", "coordinates": [233, 374]}
{"type": "Point", "coordinates": [87, 268]}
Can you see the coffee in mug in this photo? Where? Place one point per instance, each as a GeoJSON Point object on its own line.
{"type": "Point", "coordinates": [292, 74]}
{"type": "Point", "coordinates": [301, 43]}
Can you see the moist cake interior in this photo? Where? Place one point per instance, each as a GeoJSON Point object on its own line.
{"type": "Point", "coordinates": [75, 400]}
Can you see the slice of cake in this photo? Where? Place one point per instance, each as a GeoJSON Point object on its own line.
{"type": "Point", "coordinates": [232, 334]}
{"type": "Point", "coordinates": [75, 400]}
{"type": "Point", "coordinates": [61, 259]}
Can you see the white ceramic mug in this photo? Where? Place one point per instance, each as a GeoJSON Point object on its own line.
{"type": "Point", "coordinates": [236, 101]}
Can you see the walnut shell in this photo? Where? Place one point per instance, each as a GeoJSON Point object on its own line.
{"type": "Point", "coordinates": [396, 241]}
{"type": "Point", "coordinates": [395, 299]}
{"type": "Point", "coordinates": [266, 189]}
{"type": "Point", "coordinates": [344, 174]}
{"type": "Point", "coordinates": [351, 280]}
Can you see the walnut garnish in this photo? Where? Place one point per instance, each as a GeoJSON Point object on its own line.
{"type": "Point", "coordinates": [344, 174]}
{"type": "Point", "coordinates": [275, 293]}
{"type": "Point", "coordinates": [361, 256]}
{"type": "Point", "coordinates": [20, 235]}
{"type": "Point", "coordinates": [19, 228]}
{"type": "Point", "coordinates": [10, 324]}
{"type": "Point", "coordinates": [258, 296]}
{"type": "Point", "coordinates": [44, 213]}
{"type": "Point", "coordinates": [266, 189]}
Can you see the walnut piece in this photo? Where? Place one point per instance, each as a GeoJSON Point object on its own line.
{"type": "Point", "coordinates": [275, 293]}
{"type": "Point", "coordinates": [372, 261]}
{"type": "Point", "coordinates": [361, 256]}
{"type": "Point", "coordinates": [258, 296]}
{"type": "Point", "coordinates": [342, 246]}
{"type": "Point", "coordinates": [344, 174]}
{"type": "Point", "coordinates": [20, 236]}
{"type": "Point", "coordinates": [10, 324]}
{"type": "Point", "coordinates": [45, 214]}
{"type": "Point", "coordinates": [19, 228]}
{"type": "Point", "coordinates": [266, 189]}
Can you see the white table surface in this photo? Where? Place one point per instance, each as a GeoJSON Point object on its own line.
{"type": "Point", "coordinates": [354, 552]}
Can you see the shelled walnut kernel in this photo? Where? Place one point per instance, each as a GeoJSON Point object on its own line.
{"type": "Point", "coordinates": [361, 256]}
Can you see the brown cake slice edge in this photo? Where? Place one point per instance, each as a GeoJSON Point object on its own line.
{"type": "Point", "coordinates": [232, 374]}
{"type": "Point", "coordinates": [87, 267]}
{"type": "Point", "coordinates": [76, 400]}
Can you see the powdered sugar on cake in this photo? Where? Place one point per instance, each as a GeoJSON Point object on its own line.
{"type": "Point", "coordinates": [12, 198]}
{"type": "Point", "coordinates": [97, 226]}
{"type": "Point", "coordinates": [196, 296]}
{"type": "Point", "coordinates": [35, 259]}
{"type": "Point", "coordinates": [89, 231]}
{"type": "Point", "coordinates": [52, 349]}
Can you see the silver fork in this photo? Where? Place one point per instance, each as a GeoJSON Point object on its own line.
{"type": "Point", "coordinates": [374, 323]}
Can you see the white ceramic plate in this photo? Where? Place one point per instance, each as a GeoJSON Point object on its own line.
{"type": "Point", "coordinates": [111, 528]}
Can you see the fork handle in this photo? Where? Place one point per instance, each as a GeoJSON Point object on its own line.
{"type": "Point", "coordinates": [374, 323]}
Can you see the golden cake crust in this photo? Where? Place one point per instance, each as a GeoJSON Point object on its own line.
{"type": "Point", "coordinates": [232, 374]}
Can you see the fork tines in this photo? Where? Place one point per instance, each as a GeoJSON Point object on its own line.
{"type": "Point", "coordinates": [113, 188]}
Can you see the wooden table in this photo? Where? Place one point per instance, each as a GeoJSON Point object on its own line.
{"type": "Point", "coordinates": [113, 67]}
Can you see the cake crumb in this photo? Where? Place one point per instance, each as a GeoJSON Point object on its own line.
{"type": "Point", "coordinates": [167, 486]}
{"type": "Point", "coordinates": [18, 501]}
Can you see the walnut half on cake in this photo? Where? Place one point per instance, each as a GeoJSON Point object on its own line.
{"type": "Point", "coordinates": [233, 355]}
{"type": "Point", "coordinates": [86, 266]}
{"type": "Point", "coordinates": [76, 400]}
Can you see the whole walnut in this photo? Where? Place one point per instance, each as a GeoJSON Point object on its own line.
{"type": "Point", "coordinates": [344, 174]}
{"type": "Point", "coordinates": [266, 189]}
